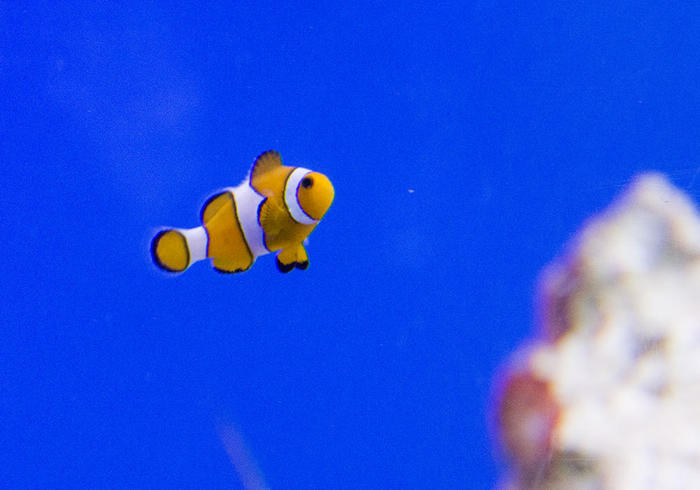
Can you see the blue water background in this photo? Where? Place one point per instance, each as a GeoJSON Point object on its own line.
{"type": "Point", "coordinates": [466, 141]}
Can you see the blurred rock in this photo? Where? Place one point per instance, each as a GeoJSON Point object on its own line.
{"type": "Point", "coordinates": [608, 394]}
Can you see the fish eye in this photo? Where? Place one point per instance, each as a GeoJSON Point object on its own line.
{"type": "Point", "coordinates": [307, 182]}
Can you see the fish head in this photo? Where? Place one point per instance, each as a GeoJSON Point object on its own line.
{"type": "Point", "coordinates": [315, 194]}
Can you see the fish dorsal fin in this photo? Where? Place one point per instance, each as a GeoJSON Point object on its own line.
{"type": "Point", "coordinates": [212, 206]}
{"type": "Point", "coordinates": [265, 162]}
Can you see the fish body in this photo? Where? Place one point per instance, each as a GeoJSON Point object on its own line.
{"type": "Point", "coordinates": [273, 210]}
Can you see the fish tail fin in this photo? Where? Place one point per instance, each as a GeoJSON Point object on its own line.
{"type": "Point", "coordinates": [175, 249]}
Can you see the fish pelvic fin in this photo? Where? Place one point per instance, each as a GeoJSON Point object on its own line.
{"type": "Point", "coordinates": [292, 257]}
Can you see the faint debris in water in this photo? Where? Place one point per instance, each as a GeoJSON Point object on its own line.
{"type": "Point", "coordinates": [607, 395]}
{"type": "Point", "coordinates": [251, 478]}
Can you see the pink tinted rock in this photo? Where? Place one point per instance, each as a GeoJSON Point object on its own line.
{"type": "Point", "coordinates": [527, 416]}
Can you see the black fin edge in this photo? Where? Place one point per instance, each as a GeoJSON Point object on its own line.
{"type": "Point", "coordinates": [224, 271]}
{"type": "Point", "coordinates": [154, 255]}
{"type": "Point", "coordinates": [285, 268]}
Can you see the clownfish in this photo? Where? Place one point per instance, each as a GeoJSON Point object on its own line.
{"type": "Point", "coordinates": [273, 209]}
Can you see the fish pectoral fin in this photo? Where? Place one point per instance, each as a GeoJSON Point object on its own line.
{"type": "Point", "coordinates": [291, 257]}
{"type": "Point", "coordinates": [228, 265]}
{"type": "Point", "coordinates": [272, 216]}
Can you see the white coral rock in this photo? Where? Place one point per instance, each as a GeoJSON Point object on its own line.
{"type": "Point", "coordinates": [621, 356]}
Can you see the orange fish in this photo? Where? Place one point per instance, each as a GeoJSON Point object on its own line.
{"type": "Point", "coordinates": [273, 210]}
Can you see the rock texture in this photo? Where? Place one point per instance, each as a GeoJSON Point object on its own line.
{"type": "Point", "coordinates": [607, 396]}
